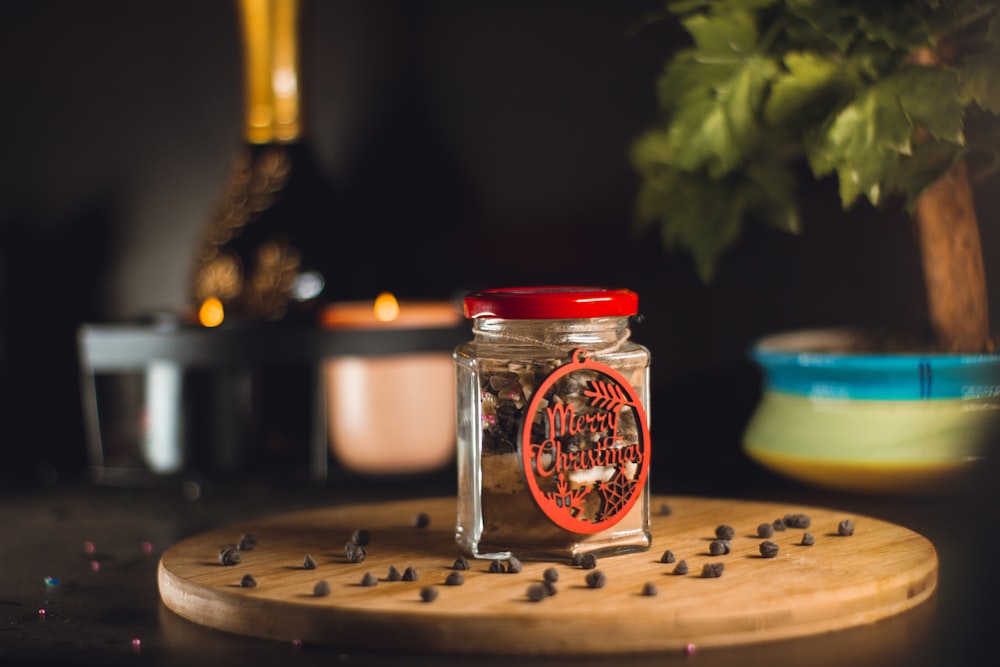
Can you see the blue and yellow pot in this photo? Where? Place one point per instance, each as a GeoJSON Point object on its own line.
{"type": "Point", "coordinates": [880, 423]}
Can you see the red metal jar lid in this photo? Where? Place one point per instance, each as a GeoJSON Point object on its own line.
{"type": "Point", "coordinates": [557, 303]}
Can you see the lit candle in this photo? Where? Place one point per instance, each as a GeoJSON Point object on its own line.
{"type": "Point", "coordinates": [391, 414]}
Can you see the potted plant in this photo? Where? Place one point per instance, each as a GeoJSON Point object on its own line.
{"type": "Point", "coordinates": [896, 100]}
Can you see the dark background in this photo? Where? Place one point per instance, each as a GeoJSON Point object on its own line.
{"type": "Point", "coordinates": [481, 143]}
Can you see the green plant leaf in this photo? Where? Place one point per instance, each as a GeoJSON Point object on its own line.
{"type": "Point", "coordinates": [704, 216]}
{"type": "Point", "coordinates": [863, 143]}
{"type": "Point", "coordinates": [930, 96]}
{"type": "Point", "coordinates": [804, 90]}
{"type": "Point", "coordinates": [688, 77]}
{"type": "Point", "coordinates": [929, 161]}
{"type": "Point", "coordinates": [980, 81]}
{"type": "Point", "coordinates": [770, 188]}
{"type": "Point", "coordinates": [900, 25]}
{"type": "Point", "coordinates": [723, 34]}
{"type": "Point", "coordinates": [717, 128]}
{"type": "Point", "coordinates": [826, 19]}
{"type": "Point", "coordinates": [873, 60]}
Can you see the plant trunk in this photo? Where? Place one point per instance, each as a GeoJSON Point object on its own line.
{"type": "Point", "coordinates": [948, 232]}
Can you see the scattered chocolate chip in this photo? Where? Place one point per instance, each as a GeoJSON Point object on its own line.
{"type": "Point", "coordinates": [428, 594]}
{"type": "Point", "coordinates": [808, 540]}
{"type": "Point", "coordinates": [796, 520]}
{"type": "Point", "coordinates": [724, 532]}
{"type": "Point", "coordinates": [247, 542]}
{"type": "Point", "coordinates": [719, 547]}
{"type": "Point", "coordinates": [422, 520]}
{"type": "Point", "coordinates": [309, 562]}
{"type": "Point", "coordinates": [514, 565]}
{"type": "Point", "coordinates": [576, 560]}
{"type": "Point", "coordinates": [496, 566]}
{"type": "Point", "coordinates": [354, 552]}
{"type": "Point", "coordinates": [537, 592]}
{"type": "Point", "coordinates": [369, 580]}
{"type": "Point", "coordinates": [712, 570]}
{"type": "Point", "coordinates": [588, 561]}
{"type": "Point", "coordinates": [668, 557]}
{"type": "Point", "coordinates": [461, 563]}
{"type": "Point", "coordinates": [765, 530]}
{"type": "Point", "coordinates": [229, 555]}
{"type": "Point", "coordinates": [664, 510]}
{"type": "Point", "coordinates": [361, 537]}
{"type": "Point", "coordinates": [550, 587]}
{"type": "Point", "coordinates": [454, 579]}
{"type": "Point", "coordinates": [248, 581]}
{"type": "Point", "coordinates": [410, 574]}
{"type": "Point", "coordinates": [681, 567]}
{"type": "Point", "coordinates": [845, 527]}
{"type": "Point", "coordinates": [778, 525]}
{"type": "Point", "coordinates": [321, 589]}
{"type": "Point", "coordinates": [649, 589]}
{"type": "Point", "coordinates": [551, 574]}
{"type": "Point", "coordinates": [596, 579]}
{"type": "Point", "coordinates": [768, 549]}
{"type": "Point", "coordinates": [393, 574]}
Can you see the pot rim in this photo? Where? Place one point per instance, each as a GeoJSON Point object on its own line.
{"type": "Point", "coordinates": [818, 347]}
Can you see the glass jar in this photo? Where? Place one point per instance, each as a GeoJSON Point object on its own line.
{"type": "Point", "coordinates": [553, 434]}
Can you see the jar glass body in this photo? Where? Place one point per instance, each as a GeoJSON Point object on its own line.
{"type": "Point", "coordinates": [497, 374]}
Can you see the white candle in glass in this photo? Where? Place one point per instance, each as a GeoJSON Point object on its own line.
{"type": "Point", "coordinates": [391, 414]}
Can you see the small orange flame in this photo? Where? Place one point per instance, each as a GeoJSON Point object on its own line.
{"type": "Point", "coordinates": [386, 307]}
{"type": "Point", "coordinates": [211, 312]}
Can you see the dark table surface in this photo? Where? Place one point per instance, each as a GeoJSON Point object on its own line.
{"type": "Point", "coordinates": [106, 610]}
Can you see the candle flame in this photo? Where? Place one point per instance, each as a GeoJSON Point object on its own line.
{"type": "Point", "coordinates": [211, 313]}
{"type": "Point", "coordinates": [386, 307]}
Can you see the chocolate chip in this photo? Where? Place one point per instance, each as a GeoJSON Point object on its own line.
{"type": "Point", "coordinates": [724, 532]}
{"type": "Point", "coordinates": [428, 594]}
{"type": "Point", "coordinates": [454, 579]}
{"type": "Point", "coordinates": [229, 555]}
{"type": "Point", "coordinates": [248, 581]}
{"type": "Point", "coordinates": [308, 562]}
{"type": "Point", "coordinates": [247, 542]}
{"type": "Point", "coordinates": [797, 520]}
{"type": "Point", "coordinates": [719, 547]}
{"type": "Point", "coordinates": [668, 557]}
{"type": "Point", "coordinates": [596, 579]}
{"type": "Point", "coordinates": [768, 549]}
{"type": "Point", "coordinates": [369, 580]}
{"type": "Point", "coordinates": [712, 570]}
{"type": "Point", "coordinates": [845, 528]}
{"type": "Point", "coordinates": [537, 592]}
{"type": "Point", "coordinates": [354, 552]}
{"type": "Point", "coordinates": [765, 530]}
{"type": "Point", "coordinates": [321, 589]}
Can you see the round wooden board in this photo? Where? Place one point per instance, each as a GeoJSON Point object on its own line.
{"type": "Point", "coordinates": [881, 570]}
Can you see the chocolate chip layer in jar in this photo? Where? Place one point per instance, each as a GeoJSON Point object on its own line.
{"type": "Point", "coordinates": [553, 435]}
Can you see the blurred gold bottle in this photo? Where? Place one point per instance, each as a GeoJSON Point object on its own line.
{"type": "Point", "coordinates": [265, 253]}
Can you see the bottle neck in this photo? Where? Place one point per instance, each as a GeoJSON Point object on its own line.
{"type": "Point", "coordinates": [599, 332]}
{"type": "Point", "coordinates": [272, 108]}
